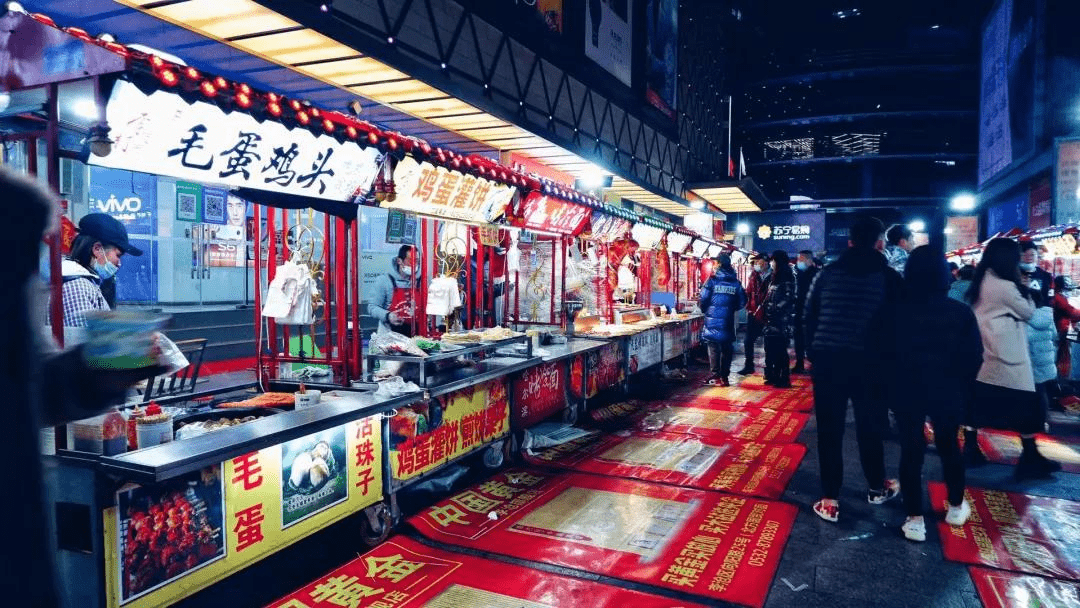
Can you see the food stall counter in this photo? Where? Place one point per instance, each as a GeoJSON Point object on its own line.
{"type": "Point", "coordinates": [176, 458]}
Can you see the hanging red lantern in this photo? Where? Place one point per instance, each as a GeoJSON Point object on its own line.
{"type": "Point", "coordinates": [274, 108]}
{"type": "Point", "coordinates": [208, 89]}
{"type": "Point", "coordinates": [243, 100]}
{"type": "Point", "coordinates": [328, 125]}
{"type": "Point", "coordinates": [303, 118]}
{"type": "Point", "coordinates": [192, 74]}
{"type": "Point", "coordinates": [351, 132]}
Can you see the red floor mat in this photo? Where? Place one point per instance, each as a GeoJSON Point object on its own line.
{"type": "Point", "coordinates": [758, 381]}
{"type": "Point", "coordinates": [751, 469]}
{"type": "Point", "coordinates": [1001, 589]}
{"type": "Point", "coordinates": [403, 573]}
{"type": "Point", "coordinates": [1004, 447]}
{"type": "Point", "coordinates": [793, 400]}
{"type": "Point", "coordinates": [704, 543]}
{"type": "Point", "coordinates": [730, 422]}
{"type": "Point", "coordinates": [1030, 534]}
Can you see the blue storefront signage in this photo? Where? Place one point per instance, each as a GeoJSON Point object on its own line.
{"type": "Point", "coordinates": [790, 231]}
{"type": "Point", "coordinates": [1003, 217]}
{"type": "Point", "coordinates": [126, 195]}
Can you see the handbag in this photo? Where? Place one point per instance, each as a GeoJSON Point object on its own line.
{"type": "Point", "coordinates": [290, 296]}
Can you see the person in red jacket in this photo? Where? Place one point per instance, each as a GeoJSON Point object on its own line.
{"type": "Point", "coordinates": [1065, 315]}
{"type": "Point", "coordinates": [756, 290]}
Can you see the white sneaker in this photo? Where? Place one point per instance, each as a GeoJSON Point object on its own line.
{"type": "Point", "coordinates": [914, 529]}
{"type": "Point", "coordinates": [958, 516]}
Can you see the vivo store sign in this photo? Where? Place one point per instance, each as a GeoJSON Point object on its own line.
{"type": "Point", "coordinates": [160, 133]}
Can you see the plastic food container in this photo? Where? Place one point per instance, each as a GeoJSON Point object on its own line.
{"type": "Point", "coordinates": [307, 399]}
{"type": "Point", "coordinates": [154, 430]}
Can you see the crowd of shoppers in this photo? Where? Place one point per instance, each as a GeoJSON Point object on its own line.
{"type": "Point", "coordinates": [891, 327]}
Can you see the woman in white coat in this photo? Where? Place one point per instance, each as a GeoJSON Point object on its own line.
{"type": "Point", "coordinates": [1005, 396]}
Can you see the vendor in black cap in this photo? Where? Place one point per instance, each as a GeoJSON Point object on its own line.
{"type": "Point", "coordinates": [89, 270]}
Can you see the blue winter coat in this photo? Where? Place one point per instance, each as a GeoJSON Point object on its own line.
{"type": "Point", "coordinates": [721, 297]}
{"type": "Point", "coordinates": [1042, 344]}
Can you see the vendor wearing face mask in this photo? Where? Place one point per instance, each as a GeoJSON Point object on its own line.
{"type": "Point", "coordinates": [756, 290]}
{"type": "Point", "coordinates": [89, 271]}
{"type": "Point", "coordinates": [391, 301]}
{"type": "Point", "coordinates": [1041, 281]}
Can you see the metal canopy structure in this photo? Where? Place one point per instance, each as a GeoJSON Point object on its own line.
{"type": "Point", "coordinates": [741, 196]}
{"type": "Point", "coordinates": [439, 62]}
{"type": "Point", "coordinates": [568, 125]}
{"type": "Point", "coordinates": [131, 26]}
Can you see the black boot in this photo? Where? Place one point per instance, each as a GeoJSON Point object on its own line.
{"type": "Point", "coordinates": [973, 456]}
{"type": "Point", "coordinates": [800, 368]}
{"type": "Point", "coordinates": [1032, 464]}
{"type": "Point", "coordinates": [783, 378]}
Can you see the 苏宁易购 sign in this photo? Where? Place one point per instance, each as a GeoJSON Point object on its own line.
{"type": "Point", "coordinates": [166, 541]}
{"type": "Point", "coordinates": [160, 133]}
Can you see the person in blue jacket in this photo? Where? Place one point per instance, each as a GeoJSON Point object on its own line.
{"type": "Point", "coordinates": [722, 296]}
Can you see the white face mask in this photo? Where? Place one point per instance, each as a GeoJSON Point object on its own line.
{"type": "Point", "coordinates": [1027, 266]}
{"type": "Point", "coordinates": [406, 271]}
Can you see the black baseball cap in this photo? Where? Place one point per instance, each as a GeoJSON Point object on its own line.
{"type": "Point", "coordinates": [109, 231]}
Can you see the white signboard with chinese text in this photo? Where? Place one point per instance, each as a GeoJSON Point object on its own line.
{"type": "Point", "coordinates": [429, 190]}
{"type": "Point", "coordinates": [161, 133]}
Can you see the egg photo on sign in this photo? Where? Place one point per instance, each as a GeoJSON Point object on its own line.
{"type": "Point", "coordinates": [314, 474]}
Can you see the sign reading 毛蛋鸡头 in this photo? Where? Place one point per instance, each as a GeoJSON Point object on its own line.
{"type": "Point", "coordinates": [161, 133]}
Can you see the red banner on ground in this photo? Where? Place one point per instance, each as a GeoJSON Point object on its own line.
{"type": "Point", "coordinates": [797, 383]}
{"type": "Point", "coordinates": [403, 573]}
{"type": "Point", "coordinates": [1032, 534]}
{"type": "Point", "coordinates": [724, 397]}
{"type": "Point", "coordinates": [1004, 447]}
{"type": "Point", "coordinates": [743, 423]}
{"type": "Point", "coordinates": [1001, 589]}
{"type": "Point", "coordinates": [708, 544]}
{"type": "Point", "coordinates": [752, 469]}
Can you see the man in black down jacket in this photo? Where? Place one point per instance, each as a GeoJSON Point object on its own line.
{"type": "Point", "coordinates": [848, 320]}
{"type": "Point", "coordinates": [806, 270]}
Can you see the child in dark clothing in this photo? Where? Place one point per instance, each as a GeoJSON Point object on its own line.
{"type": "Point", "coordinates": [939, 352]}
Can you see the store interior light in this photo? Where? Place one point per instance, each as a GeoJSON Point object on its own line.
{"type": "Point", "coordinates": [594, 179]}
{"type": "Point", "coordinates": [743, 228]}
{"type": "Point", "coordinates": [86, 109]}
{"type": "Point", "coordinates": [963, 202]}
{"type": "Point", "coordinates": [15, 7]}
{"type": "Point", "coordinates": [948, 230]}
{"type": "Point", "coordinates": [696, 204]}
{"type": "Point", "coordinates": [917, 226]}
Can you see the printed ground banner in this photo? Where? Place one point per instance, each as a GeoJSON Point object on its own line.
{"type": "Point", "coordinates": [703, 543]}
{"type": "Point", "coordinates": [751, 469]}
{"type": "Point", "coordinates": [1009, 531]}
{"type": "Point", "coordinates": [404, 573]}
{"type": "Point", "coordinates": [1004, 447]}
{"type": "Point", "coordinates": [758, 382]}
{"type": "Point", "coordinates": [1002, 589]}
{"type": "Point", "coordinates": [742, 423]}
{"type": "Point", "coordinates": [715, 396]}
